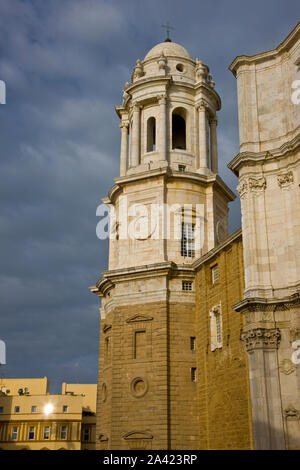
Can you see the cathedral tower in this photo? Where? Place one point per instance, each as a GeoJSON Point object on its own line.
{"type": "Point", "coordinates": [168, 207]}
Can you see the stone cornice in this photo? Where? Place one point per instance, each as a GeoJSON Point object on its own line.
{"type": "Point", "coordinates": [167, 268]}
{"type": "Point", "coordinates": [168, 173]}
{"type": "Point", "coordinates": [261, 157]}
{"type": "Point", "coordinates": [262, 304]}
{"type": "Point", "coordinates": [103, 286]}
{"type": "Point", "coordinates": [284, 46]}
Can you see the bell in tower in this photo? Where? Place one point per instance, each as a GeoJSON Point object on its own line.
{"type": "Point", "coordinates": [169, 207]}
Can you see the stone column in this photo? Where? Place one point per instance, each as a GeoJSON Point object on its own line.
{"type": "Point", "coordinates": [203, 140]}
{"type": "Point", "coordinates": [135, 138]}
{"type": "Point", "coordinates": [124, 148]}
{"type": "Point", "coordinates": [213, 144]}
{"type": "Point", "coordinates": [262, 345]}
{"type": "Point", "coordinates": [162, 128]}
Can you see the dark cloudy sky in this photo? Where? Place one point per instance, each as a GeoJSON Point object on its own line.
{"type": "Point", "coordinates": [65, 63]}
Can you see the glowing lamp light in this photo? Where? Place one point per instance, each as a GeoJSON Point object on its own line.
{"type": "Point", "coordinates": [48, 409]}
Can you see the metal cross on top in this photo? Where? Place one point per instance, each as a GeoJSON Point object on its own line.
{"type": "Point", "coordinates": [168, 28]}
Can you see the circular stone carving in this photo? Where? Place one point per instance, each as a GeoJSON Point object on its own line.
{"type": "Point", "coordinates": [103, 392]}
{"type": "Point", "coordinates": [139, 387]}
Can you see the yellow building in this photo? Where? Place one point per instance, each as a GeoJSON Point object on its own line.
{"type": "Point", "coordinates": [33, 419]}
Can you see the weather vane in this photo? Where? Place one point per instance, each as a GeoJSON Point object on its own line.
{"type": "Point", "coordinates": [168, 28]}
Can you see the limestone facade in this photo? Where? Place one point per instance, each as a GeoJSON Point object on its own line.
{"type": "Point", "coordinates": [196, 340]}
{"type": "Point", "coordinates": [268, 167]}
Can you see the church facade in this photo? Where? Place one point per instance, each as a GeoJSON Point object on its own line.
{"type": "Point", "coordinates": [199, 328]}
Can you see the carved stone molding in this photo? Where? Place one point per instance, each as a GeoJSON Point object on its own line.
{"type": "Point", "coordinates": [291, 413]}
{"type": "Point", "coordinates": [286, 367]}
{"type": "Point", "coordinates": [251, 184]}
{"type": "Point", "coordinates": [139, 387]}
{"type": "Point", "coordinates": [162, 99]}
{"type": "Point", "coordinates": [285, 179]}
{"type": "Point", "coordinates": [261, 338]}
{"type": "Point", "coordinates": [202, 106]}
{"type": "Point", "coordinates": [138, 318]}
{"type": "Point", "coordinates": [257, 184]}
{"type": "Point", "coordinates": [242, 188]}
{"type": "Point", "coordinates": [106, 327]}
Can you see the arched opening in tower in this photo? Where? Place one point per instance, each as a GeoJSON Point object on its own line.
{"type": "Point", "coordinates": [179, 129]}
{"type": "Point", "coordinates": [151, 134]}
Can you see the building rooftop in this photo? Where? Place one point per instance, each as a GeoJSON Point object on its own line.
{"type": "Point", "coordinates": [168, 49]}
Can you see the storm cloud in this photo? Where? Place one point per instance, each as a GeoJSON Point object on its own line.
{"type": "Point", "coordinates": [65, 64]}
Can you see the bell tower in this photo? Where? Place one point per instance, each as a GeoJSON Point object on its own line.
{"type": "Point", "coordinates": [168, 207]}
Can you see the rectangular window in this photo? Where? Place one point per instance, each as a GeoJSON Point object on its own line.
{"type": "Point", "coordinates": [193, 343]}
{"type": "Point", "coordinates": [219, 330]}
{"type": "Point", "coordinates": [214, 274]}
{"type": "Point", "coordinates": [33, 409]}
{"type": "Point", "coordinates": [216, 328]}
{"type": "Point", "coordinates": [187, 240]}
{"type": "Point", "coordinates": [86, 434]}
{"type": "Point", "coordinates": [65, 408]}
{"type": "Point", "coordinates": [187, 285]}
{"type": "Point", "coordinates": [194, 374]}
{"type": "Point", "coordinates": [17, 409]}
{"type": "Point", "coordinates": [31, 433]}
{"type": "Point", "coordinates": [181, 168]}
{"type": "Point", "coordinates": [140, 345]}
{"type": "Point", "coordinates": [1, 409]}
{"type": "Point", "coordinates": [14, 434]}
{"type": "Point", "coordinates": [46, 432]}
{"type": "Point", "coordinates": [63, 432]}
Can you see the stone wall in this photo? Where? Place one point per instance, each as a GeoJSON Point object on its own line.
{"type": "Point", "coordinates": [223, 384]}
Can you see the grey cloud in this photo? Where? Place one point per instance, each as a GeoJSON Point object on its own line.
{"type": "Point", "coordinates": [65, 64]}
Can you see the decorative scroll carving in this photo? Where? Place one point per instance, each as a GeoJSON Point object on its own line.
{"type": "Point", "coordinates": [242, 188]}
{"type": "Point", "coordinates": [261, 338]}
{"type": "Point", "coordinates": [291, 413]}
{"type": "Point", "coordinates": [202, 106]}
{"type": "Point", "coordinates": [257, 184]}
{"type": "Point", "coordinates": [285, 179]}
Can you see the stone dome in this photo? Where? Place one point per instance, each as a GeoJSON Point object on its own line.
{"type": "Point", "coordinates": [169, 49]}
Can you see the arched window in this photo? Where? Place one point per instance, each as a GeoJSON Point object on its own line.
{"type": "Point", "coordinates": [179, 129]}
{"type": "Point", "coordinates": [151, 134]}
